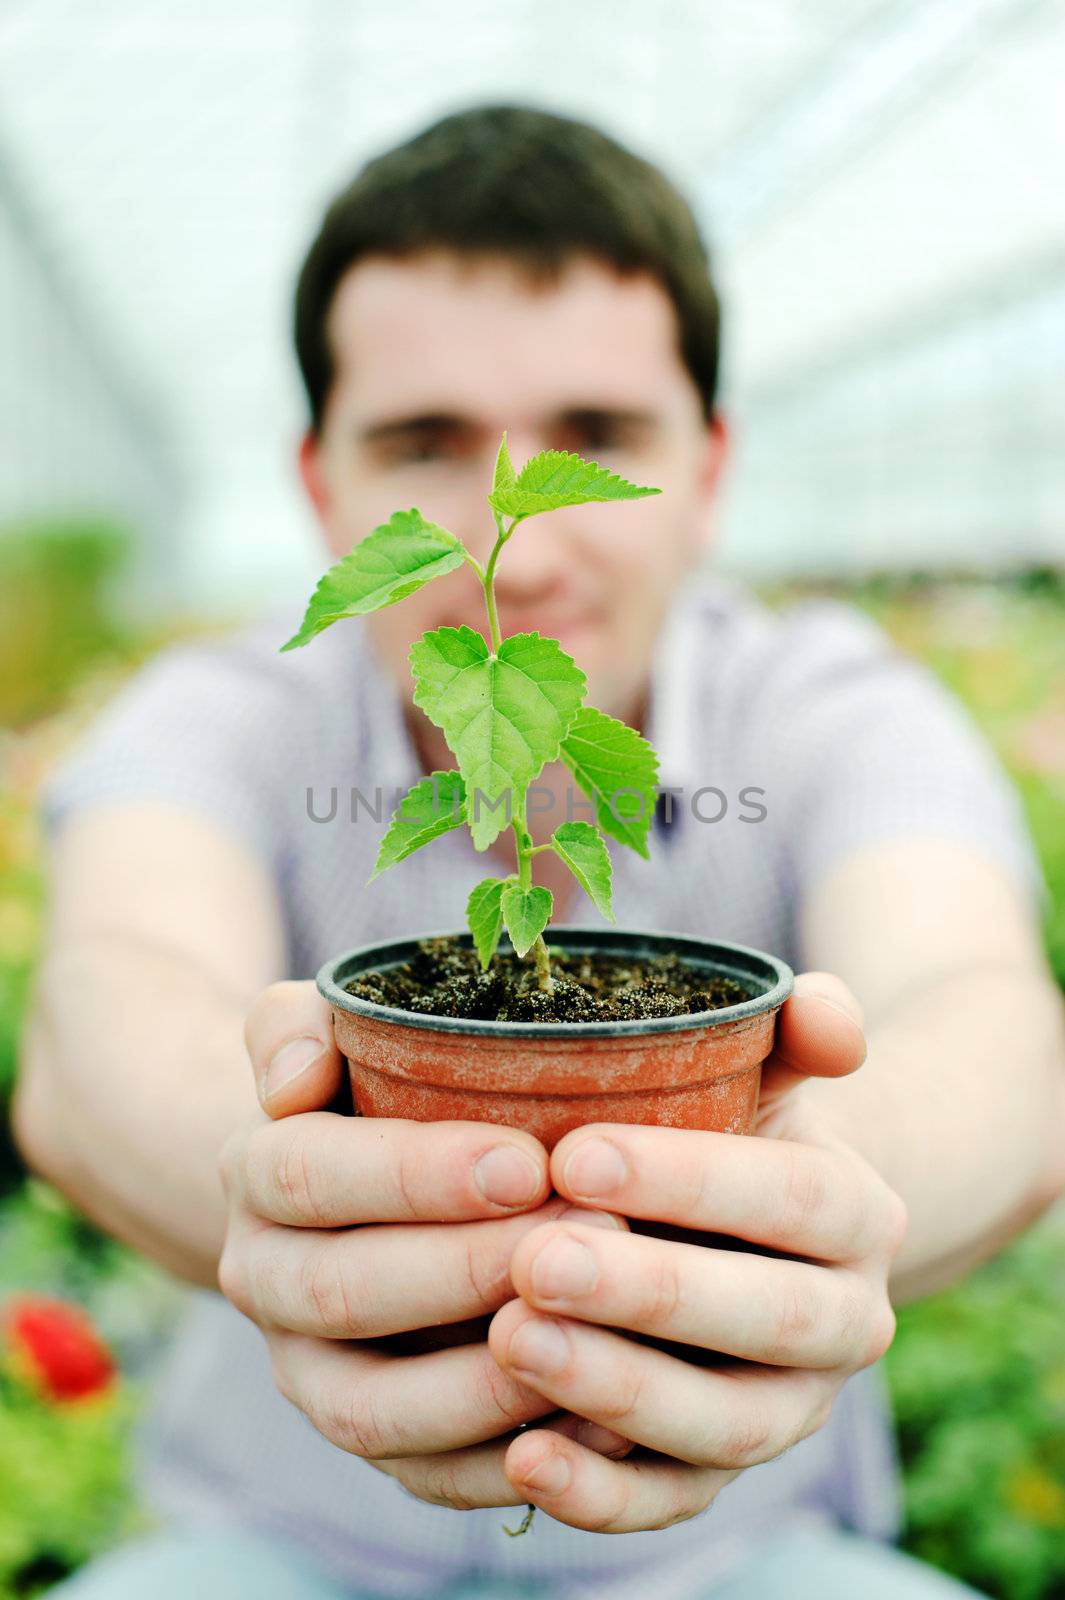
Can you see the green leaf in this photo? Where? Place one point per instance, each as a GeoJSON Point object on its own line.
{"type": "Point", "coordinates": [584, 851]}
{"type": "Point", "coordinates": [504, 477]}
{"type": "Point", "coordinates": [434, 805]}
{"type": "Point", "coordinates": [393, 561]}
{"type": "Point", "coordinates": [557, 478]}
{"type": "Point", "coordinates": [503, 715]}
{"type": "Point", "coordinates": [606, 756]}
{"type": "Point", "coordinates": [526, 913]}
{"type": "Point", "coordinates": [484, 913]}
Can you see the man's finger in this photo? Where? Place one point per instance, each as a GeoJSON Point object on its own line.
{"type": "Point", "coordinates": [380, 1407]}
{"type": "Point", "coordinates": [804, 1199]}
{"type": "Point", "coordinates": [819, 1029]}
{"type": "Point", "coordinates": [462, 1480]}
{"type": "Point", "coordinates": [781, 1312]}
{"type": "Point", "coordinates": [289, 1037]}
{"type": "Point", "coordinates": [365, 1283]}
{"type": "Point", "coordinates": [325, 1171]}
{"type": "Point", "coordinates": [467, 1479]}
{"type": "Point", "coordinates": [726, 1418]}
{"type": "Point", "coordinates": [587, 1490]}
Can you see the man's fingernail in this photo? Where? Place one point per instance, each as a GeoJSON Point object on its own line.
{"type": "Point", "coordinates": [563, 1267]}
{"type": "Point", "coordinates": [836, 1005]}
{"type": "Point", "coordinates": [550, 1477]}
{"type": "Point", "coordinates": [595, 1168]}
{"type": "Point", "coordinates": [539, 1347]}
{"type": "Point", "coordinates": [507, 1176]}
{"type": "Point", "coordinates": [840, 1000]}
{"type": "Point", "coordinates": [292, 1059]}
{"type": "Point", "coordinates": [590, 1219]}
{"type": "Point", "coordinates": [604, 1441]}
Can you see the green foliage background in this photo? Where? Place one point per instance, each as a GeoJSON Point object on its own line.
{"type": "Point", "coordinates": [977, 1373]}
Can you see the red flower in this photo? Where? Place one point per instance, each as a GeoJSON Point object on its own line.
{"type": "Point", "coordinates": [57, 1349]}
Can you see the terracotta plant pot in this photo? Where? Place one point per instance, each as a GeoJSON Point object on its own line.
{"type": "Point", "coordinates": [697, 1071]}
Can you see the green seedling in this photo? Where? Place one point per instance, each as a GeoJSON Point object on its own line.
{"type": "Point", "coordinates": [506, 708]}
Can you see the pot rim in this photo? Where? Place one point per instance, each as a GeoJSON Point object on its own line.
{"type": "Point", "coordinates": [741, 961]}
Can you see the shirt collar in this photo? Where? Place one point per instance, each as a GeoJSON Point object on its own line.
{"type": "Point", "coordinates": [672, 712]}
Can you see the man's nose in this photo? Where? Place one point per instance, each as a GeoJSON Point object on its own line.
{"type": "Point", "coordinates": [531, 565]}
{"type": "Point", "coordinates": [524, 442]}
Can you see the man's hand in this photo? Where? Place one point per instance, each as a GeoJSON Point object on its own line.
{"type": "Point", "coordinates": [344, 1229]}
{"type": "Point", "coordinates": [804, 1322]}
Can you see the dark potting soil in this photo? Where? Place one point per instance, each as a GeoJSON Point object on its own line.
{"type": "Point", "coordinates": [445, 980]}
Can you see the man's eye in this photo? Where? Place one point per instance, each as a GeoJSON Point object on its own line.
{"type": "Point", "coordinates": [593, 441]}
{"type": "Point", "coordinates": [420, 449]}
{"type": "Point", "coordinates": [417, 450]}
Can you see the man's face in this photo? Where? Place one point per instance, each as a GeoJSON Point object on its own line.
{"type": "Point", "coordinates": [434, 357]}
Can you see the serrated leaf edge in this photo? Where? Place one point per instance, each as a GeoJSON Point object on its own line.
{"type": "Point", "coordinates": [533, 636]}
{"type": "Point", "coordinates": [458, 819]}
{"type": "Point", "coordinates": [553, 502]}
{"type": "Point", "coordinates": [560, 852]}
{"type": "Point", "coordinates": [534, 889]}
{"type": "Point", "coordinates": [499, 884]}
{"type": "Point", "coordinates": [595, 795]}
{"type": "Point", "coordinates": [450, 545]}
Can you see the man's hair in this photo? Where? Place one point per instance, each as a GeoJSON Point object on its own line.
{"type": "Point", "coordinates": [522, 183]}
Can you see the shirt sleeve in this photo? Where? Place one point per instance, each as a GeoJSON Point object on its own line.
{"type": "Point", "coordinates": [204, 727]}
{"type": "Point", "coordinates": [870, 747]}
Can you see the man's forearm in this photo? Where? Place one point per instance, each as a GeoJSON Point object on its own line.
{"type": "Point", "coordinates": [134, 1072]}
{"type": "Point", "coordinates": [961, 1107]}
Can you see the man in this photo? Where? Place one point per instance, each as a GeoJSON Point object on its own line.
{"type": "Point", "coordinates": [509, 269]}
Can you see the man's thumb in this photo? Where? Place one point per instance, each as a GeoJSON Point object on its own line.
{"type": "Point", "coordinates": [818, 1035]}
{"type": "Point", "coordinates": [289, 1035]}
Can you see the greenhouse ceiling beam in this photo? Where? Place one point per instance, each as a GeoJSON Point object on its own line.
{"type": "Point", "coordinates": [873, 79]}
{"type": "Point", "coordinates": [136, 409]}
{"type": "Point", "coordinates": [1006, 290]}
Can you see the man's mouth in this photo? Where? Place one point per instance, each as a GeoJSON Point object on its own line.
{"type": "Point", "coordinates": [551, 627]}
{"type": "Point", "coordinates": [567, 629]}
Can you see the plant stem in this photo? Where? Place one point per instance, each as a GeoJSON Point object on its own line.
{"type": "Point", "coordinates": [543, 965]}
{"type": "Point", "coordinates": [488, 581]}
{"type": "Point", "coordinates": [525, 851]}
{"type": "Point", "coordinates": [523, 1526]}
{"type": "Point", "coordinates": [524, 848]}
{"type": "Point", "coordinates": [522, 843]}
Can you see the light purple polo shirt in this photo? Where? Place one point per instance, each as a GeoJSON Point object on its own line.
{"type": "Point", "coordinates": [846, 742]}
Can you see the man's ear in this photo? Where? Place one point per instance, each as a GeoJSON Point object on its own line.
{"type": "Point", "coordinates": [717, 449]}
{"type": "Point", "coordinates": [310, 466]}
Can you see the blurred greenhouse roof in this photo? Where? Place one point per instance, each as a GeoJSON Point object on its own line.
{"type": "Point", "coordinates": [881, 180]}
